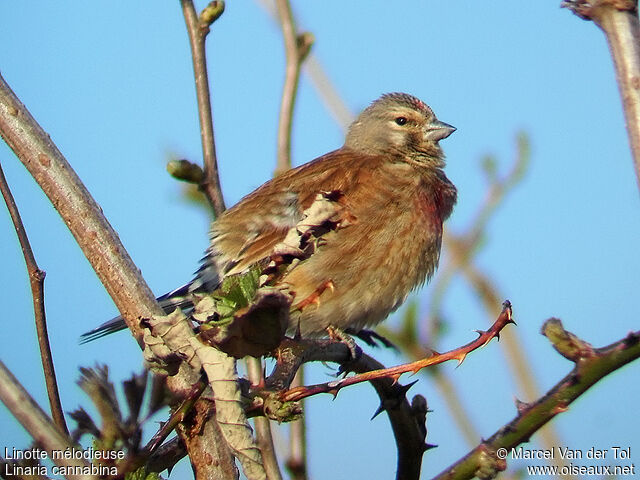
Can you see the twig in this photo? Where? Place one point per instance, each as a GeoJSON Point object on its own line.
{"type": "Point", "coordinates": [262, 425]}
{"type": "Point", "coordinates": [321, 82]}
{"type": "Point", "coordinates": [297, 461]}
{"type": "Point", "coordinates": [328, 93]}
{"type": "Point", "coordinates": [207, 449]}
{"type": "Point", "coordinates": [394, 373]}
{"type": "Point", "coordinates": [591, 365]}
{"type": "Point", "coordinates": [36, 279]}
{"type": "Point", "coordinates": [36, 422]}
{"type": "Point", "coordinates": [297, 48]}
{"type": "Point", "coordinates": [618, 19]}
{"type": "Point", "coordinates": [198, 28]}
{"type": "Point", "coordinates": [176, 417]}
{"type": "Point", "coordinates": [406, 337]}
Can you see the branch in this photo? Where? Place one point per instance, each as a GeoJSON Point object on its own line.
{"type": "Point", "coordinates": [407, 339]}
{"type": "Point", "coordinates": [78, 209]}
{"type": "Point", "coordinates": [618, 19]}
{"type": "Point", "coordinates": [407, 420]}
{"type": "Point", "coordinates": [394, 373]}
{"type": "Point", "coordinates": [297, 47]}
{"type": "Point", "coordinates": [321, 82]}
{"type": "Point", "coordinates": [262, 425]}
{"type": "Point", "coordinates": [98, 241]}
{"type": "Point", "coordinates": [591, 365]}
{"type": "Point", "coordinates": [198, 28]}
{"type": "Point", "coordinates": [36, 422]}
{"type": "Point", "coordinates": [171, 338]}
{"type": "Point", "coordinates": [36, 279]}
{"type": "Point", "coordinates": [297, 460]}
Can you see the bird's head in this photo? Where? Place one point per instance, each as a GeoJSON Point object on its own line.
{"type": "Point", "coordinates": [401, 125]}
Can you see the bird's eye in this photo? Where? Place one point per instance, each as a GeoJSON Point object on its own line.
{"type": "Point", "coordinates": [401, 120]}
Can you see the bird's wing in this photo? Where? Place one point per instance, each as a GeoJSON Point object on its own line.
{"type": "Point", "coordinates": [248, 232]}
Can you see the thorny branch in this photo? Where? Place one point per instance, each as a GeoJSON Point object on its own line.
{"type": "Point", "coordinates": [407, 420]}
{"type": "Point", "coordinates": [591, 365]}
{"type": "Point", "coordinates": [394, 373]}
{"type": "Point", "coordinates": [463, 248]}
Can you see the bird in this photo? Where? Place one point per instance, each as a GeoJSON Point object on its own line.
{"type": "Point", "coordinates": [390, 177]}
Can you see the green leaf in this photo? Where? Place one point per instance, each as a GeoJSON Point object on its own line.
{"type": "Point", "coordinates": [141, 474]}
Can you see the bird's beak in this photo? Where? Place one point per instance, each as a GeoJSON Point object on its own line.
{"type": "Point", "coordinates": [438, 130]}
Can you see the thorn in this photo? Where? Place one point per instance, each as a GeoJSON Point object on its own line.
{"type": "Point", "coordinates": [480, 332]}
{"type": "Point", "coordinates": [632, 338]}
{"type": "Point", "coordinates": [509, 429]}
{"type": "Point", "coordinates": [490, 338]}
{"type": "Point", "coordinates": [460, 359]}
{"type": "Point", "coordinates": [520, 405]}
{"type": "Point", "coordinates": [378, 411]}
{"type": "Point", "coordinates": [334, 392]}
{"type": "Point", "coordinates": [403, 389]}
{"type": "Point", "coordinates": [395, 377]}
{"type": "Point", "coordinates": [429, 446]}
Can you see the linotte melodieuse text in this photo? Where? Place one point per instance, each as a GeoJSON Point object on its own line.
{"type": "Point", "coordinates": [60, 456]}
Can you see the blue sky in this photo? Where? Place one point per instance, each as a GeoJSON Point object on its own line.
{"type": "Point", "coordinates": [112, 84]}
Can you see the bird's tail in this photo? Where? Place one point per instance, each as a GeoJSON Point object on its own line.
{"type": "Point", "coordinates": [178, 298]}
